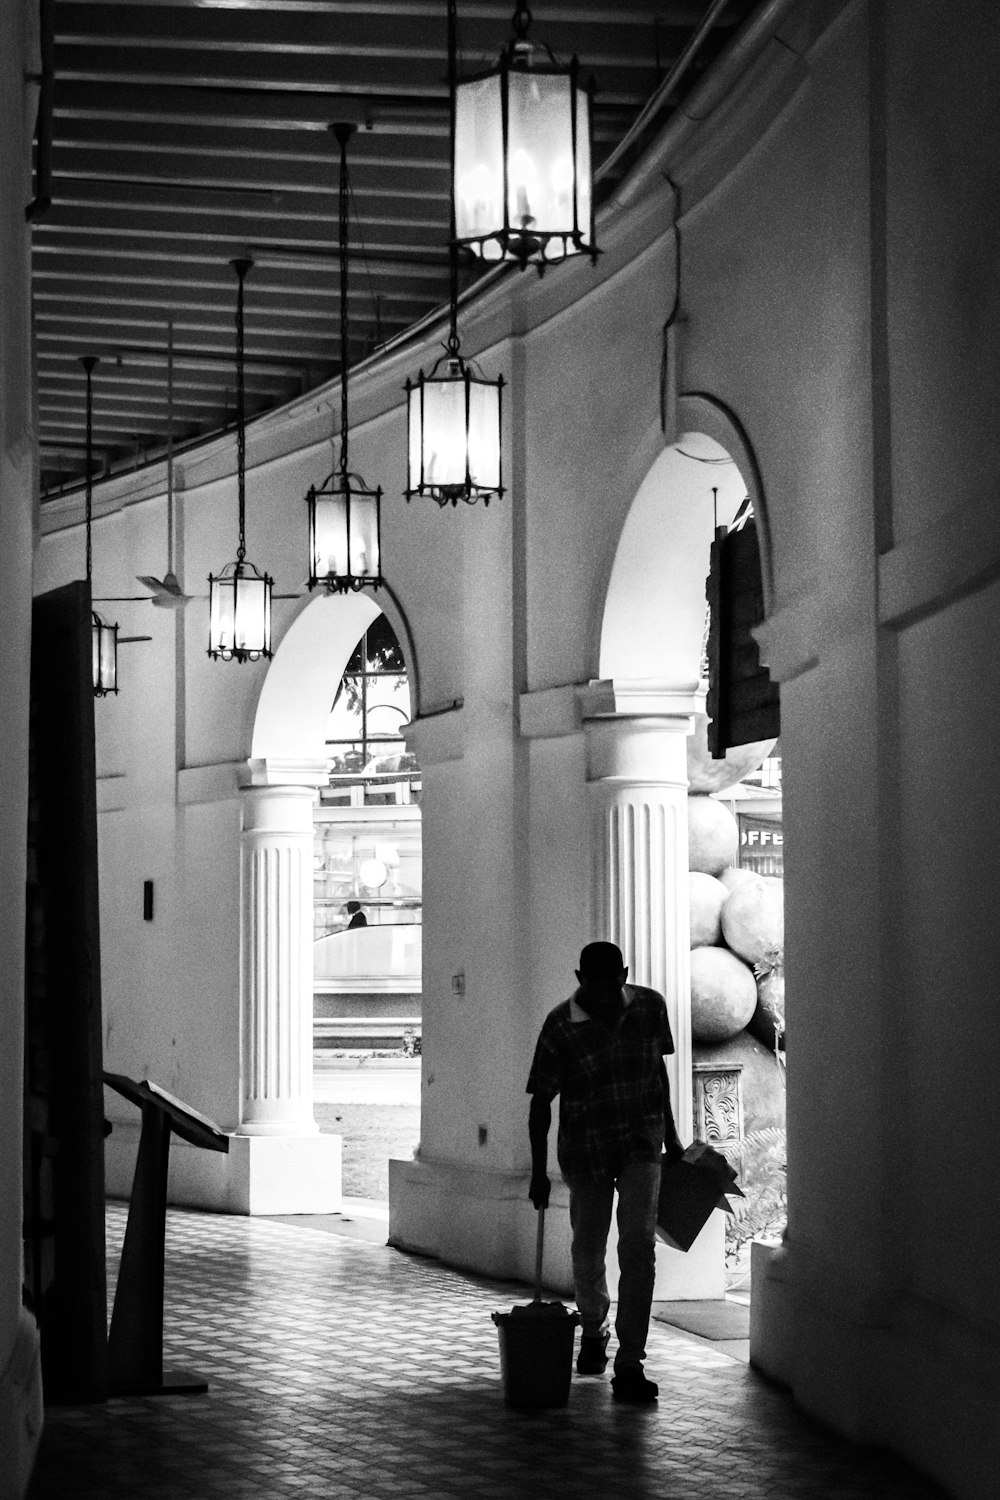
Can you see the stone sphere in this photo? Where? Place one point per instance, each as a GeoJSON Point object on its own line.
{"type": "Point", "coordinates": [761, 1082]}
{"type": "Point", "coordinates": [753, 920]}
{"type": "Point", "coordinates": [770, 1012]}
{"type": "Point", "coordinates": [706, 897]}
{"type": "Point", "coordinates": [735, 877]}
{"type": "Point", "coordinates": [723, 994]}
{"type": "Point", "coordinates": [708, 775]}
{"type": "Point", "coordinates": [713, 835]}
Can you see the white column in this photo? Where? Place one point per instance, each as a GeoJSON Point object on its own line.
{"type": "Point", "coordinates": [637, 770]}
{"type": "Point", "coordinates": [276, 962]}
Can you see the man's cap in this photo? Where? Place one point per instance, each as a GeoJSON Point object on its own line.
{"type": "Point", "coordinates": [601, 961]}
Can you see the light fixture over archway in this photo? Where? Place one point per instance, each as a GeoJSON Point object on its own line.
{"type": "Point", "coordinates": [239, 597]}
{"type": "Point", "coordinates": [344, 514]}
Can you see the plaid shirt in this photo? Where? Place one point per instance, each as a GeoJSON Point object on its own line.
{"type": "Point", "coordinates": [610, 1083]}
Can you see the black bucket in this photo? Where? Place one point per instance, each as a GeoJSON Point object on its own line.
{"type": "Point", "coordinates": [536, 1354]}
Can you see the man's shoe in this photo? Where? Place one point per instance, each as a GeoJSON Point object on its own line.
{"type": "Point", "coordinates": [593, 1356]}
{"type": "Point", "coordinates": [630, 1384]}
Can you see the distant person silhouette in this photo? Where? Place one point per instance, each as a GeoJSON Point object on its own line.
{"type": "Point", "coordinates": [357, 916]}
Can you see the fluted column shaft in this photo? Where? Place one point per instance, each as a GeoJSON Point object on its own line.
{"type": "Point", "coordinates": [276, 967]}
{"type": "Point", "coordinates": [637, 770]}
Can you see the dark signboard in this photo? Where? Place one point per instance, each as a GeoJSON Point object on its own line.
{"type": "Point", "coordinates": [742, 703]}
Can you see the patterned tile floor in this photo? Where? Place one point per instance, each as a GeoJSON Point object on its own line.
{"type": "Point", "coordinates": [344, 1370]}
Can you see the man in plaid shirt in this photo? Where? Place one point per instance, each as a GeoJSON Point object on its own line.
{"type": "Point", "coordinates": [602, 1052]}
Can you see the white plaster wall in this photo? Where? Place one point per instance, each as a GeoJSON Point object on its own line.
{"type": "Point", "coordinates": [945, 279]}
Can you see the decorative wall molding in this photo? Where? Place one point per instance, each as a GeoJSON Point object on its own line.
{"type": "Point", "coordinates": [211, 783]}
{"type": "Point", "coordinates": [437, 736]}
{"type": "Point", "coordinates": [929, 571]}
{"type": "Point", "coordinates": [549, 713]}
{"type": "Point", "coordinates": [111, 792]}
{"type": "Point", "coordinates": [789, 639]}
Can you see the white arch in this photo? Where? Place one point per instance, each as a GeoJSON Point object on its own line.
{"type": "Point", "coordinates": [293, 709]}
{"type": "Point", "coordinates": [654, 610]}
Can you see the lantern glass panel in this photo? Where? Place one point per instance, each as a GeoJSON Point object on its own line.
{"type": "Point", "coordinates": [415, 428]}
{"type": "Point", "coordinates": [478, 164]}
{"type": "Point", "coordinates": [444, 441]}
{"type": "Point", "coordinates": [583, 167]}
{"type": "Point", "coordinates": [222, 611]}
{"type": "Point", "coordinates": [251, 615]}
{"type": "Point", "coordinates": [540, 170]}
{"type": "Point", "coordinates": [330, 546]}
{"type": "Point", "coordinates": [104, 646]}
{"type": "Point", "coordinates": [484, 435]}
{"type": "Point", "coordinates": [364, 536]}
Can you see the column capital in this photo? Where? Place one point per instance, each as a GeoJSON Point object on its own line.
{"type": "Point", "coordinates": [277, 771]}
{"type": "Point", "coordinates": [646, 748]}
{"type": "Point", "coordinates": [279, 811]}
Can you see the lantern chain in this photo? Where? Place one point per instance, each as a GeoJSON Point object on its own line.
{"type": "Point", "coordinates": [343, 132]}
{"type": "Point", "coordinates": [452, 345]}
{"type": "Point", "coordinates": [88, 362]}
{"type": "Point", "coordinates": [241, 267]}
{"type": "Point", "coordinates": [453, 340]}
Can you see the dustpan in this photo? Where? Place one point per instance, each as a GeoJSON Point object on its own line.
{"type": "Point", "coordinates": [536, 1345]}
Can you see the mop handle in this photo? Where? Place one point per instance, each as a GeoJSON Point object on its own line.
{"type": "Point", "coordinates": [539, 1249]}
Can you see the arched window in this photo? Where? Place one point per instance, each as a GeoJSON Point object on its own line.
{"type": "Point", "coordinates": [369, 762]}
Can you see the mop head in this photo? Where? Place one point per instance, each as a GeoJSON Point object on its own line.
{"type": "Point", "coordinates": [541, 1309]}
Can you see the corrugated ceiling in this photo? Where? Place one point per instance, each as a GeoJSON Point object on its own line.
{"type": "Point", "coordinates": [187, 132]}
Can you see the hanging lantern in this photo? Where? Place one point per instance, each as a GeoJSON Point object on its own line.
{"type": "Point", "coordinates": [239, 598]}
{"type": "Point", "coordinates": [522, 185]}
{"type": "Point", "coordinates": [344, 534]}
{"type": "Point", "coordinates": [344, 514]}
{"type": "Point", "coordinates": [104, 644]}
{"type": "Point", "coordinates": [454, 432]}
{"type": "Point", "coordinates": [239, 613]}
{"type": "Point", "coordinates": [104, 636]}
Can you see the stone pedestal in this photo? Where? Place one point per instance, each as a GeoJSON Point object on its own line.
{"type": "Point", "coordinates": [718, 1107]}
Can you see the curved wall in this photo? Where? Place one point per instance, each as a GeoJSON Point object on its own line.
{"type": "Point", "coordinates": [822, 234]}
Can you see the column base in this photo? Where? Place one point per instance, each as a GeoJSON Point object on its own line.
{"type": "Point", "coordinates": [902, 1374]}
{"type": "Point", "coordinates": [483, 1221]}
{"type": "Point", "coordinates": [260, 1174]}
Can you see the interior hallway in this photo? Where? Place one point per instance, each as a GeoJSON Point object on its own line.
{"type": "Point", "coordinates": [341, 1368]}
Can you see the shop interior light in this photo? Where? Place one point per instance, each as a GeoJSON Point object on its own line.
{"type": "Point", "coordinates": [522, 179]}
{"type": "Point", "coordinates": [239, 598]}
{"type": "Point", "coordinates": [104, 635]}
{"type": "Point", "coordinates": [344, 513]}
